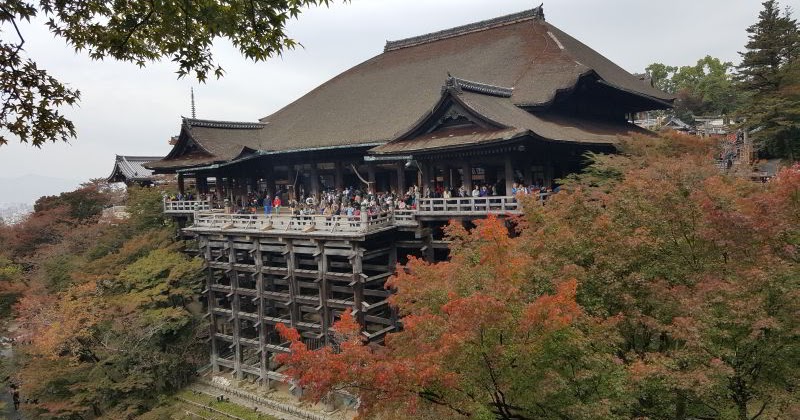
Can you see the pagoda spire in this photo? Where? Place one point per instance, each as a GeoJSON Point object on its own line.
{"type": "Point", "coordinates": [194, 113]}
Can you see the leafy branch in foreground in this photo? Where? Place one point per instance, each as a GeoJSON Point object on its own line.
{"type": "Point", "coordinates": [137, 31]}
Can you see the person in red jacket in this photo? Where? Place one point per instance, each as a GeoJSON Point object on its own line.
{"type": "Point", "coordinates": [276, 204]}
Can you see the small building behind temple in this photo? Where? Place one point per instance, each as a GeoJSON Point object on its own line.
{"type": "Point", "coordinates": [503, 102]}
{"type": "Point", "coordinates": [131, 170]}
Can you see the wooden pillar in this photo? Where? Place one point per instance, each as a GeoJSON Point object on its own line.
{"type": "Point", "coordinates": [181, 188]}
{"type": "Point", "coordinates": [466, 176]}
{"type": "Point", "coordinates": [322, 269]}
{"type": "Point", "coordinates": [235, 304]}
{"type": "Point", "coordinates": [425, 183]}
{"type": "Point", "coordinates": [527, 172]}
{"type": "Point", "coordinates": [338, 176]}
{"type": "Point", "coordinates": [212, 326]}
{"type": "Point", "coordinates": [260, 326]}
{"type": "Point", "coordinates": [401, 179]}
{"type": "Point", "coordinates": [315, 180]}
{"type": "Point", "coordinates": [509, 174]}
{"type": "Point", "coordinates": [371, 178]}
{"type": "Point", "coordinates": [294, 307]}
{"type": "Point", "coordinates": [202, 184]}
{"type": "Point", "coordinates": [446, 177]}
{"type": "Point", "coordinates": [357, 283]}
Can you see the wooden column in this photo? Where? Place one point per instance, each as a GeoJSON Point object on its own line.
{"type": "Point", "coordinates": [260, 325]}
{"type": "Point", "coordinates": [401, 179]}
{"type": "Point", "coordinates": [446, 177]}
{"type": "Point", "coordinates": [509, 174]}
{"type": "Point", "coordinates": [237, 346]}
{"type": "Point", "coordinates": [202, 184]}
{"type": "Point", "coordinates": [181, 188]}
{"type": "Point", "coordinates": [338, 176]}
{"type": "Point", "coordinates": [294, 307]}
{"type": "Point", "coordinates": [466, 176]}
{"type": "Point", "coordinates": [371, 177]}
{"type": "Point", "coordinates": [527, 172]}
{"type": "Point", "coordinates": [315, 180]}
{"type": "Point", "coordinates": [426, 177]}
{"type": "Point", "coordinates": [357, 283]}
{"type": "Point", "coordinates": [212, 325]}
{"type": "Point", "coordinates": [322, 269]}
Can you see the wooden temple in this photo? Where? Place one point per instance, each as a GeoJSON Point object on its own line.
{"type": "Point", "coordinates": [131, 170]}
{"type": "Point", "coordinates": [502, 101]}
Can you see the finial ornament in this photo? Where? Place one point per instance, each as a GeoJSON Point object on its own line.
{"type": "Point", "coordinates": [539, 12]}
{"type": "Point", "coordinates": [194, 113]}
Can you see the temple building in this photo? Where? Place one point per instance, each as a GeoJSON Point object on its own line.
{"type": "Point", "coordinates": [503, 102]}
{"type": "Point", "coordinates": [131, 170]}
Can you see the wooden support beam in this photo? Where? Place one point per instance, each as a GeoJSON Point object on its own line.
{"type": "Point", "coordinates": [509, 173]}
{"type": "Point", "coordinates": [466, 176]}
{"type": "Point", "coordinates": [235, 305]}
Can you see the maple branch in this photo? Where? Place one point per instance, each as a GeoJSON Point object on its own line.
{"type": "Point", "coordinates": [16, 28]}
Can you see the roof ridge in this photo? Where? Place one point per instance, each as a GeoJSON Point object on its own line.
{"type": "Point", "coordinates": [457, 84]}
{"type": "Point", "coordinates": [536, 13]}
{"type": "Point", "coordinates": [194, 122]}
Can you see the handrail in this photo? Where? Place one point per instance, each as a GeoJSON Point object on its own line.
{"type": "Point", "coordinates": [365, 222]}
{"type": "Point", "coordinates": [186, 206]}
{"type": "Point", "coordinates": [293, 223]}
{"type": "Point", "coordinates": [468, 205]}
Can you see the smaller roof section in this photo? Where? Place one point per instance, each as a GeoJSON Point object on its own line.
{"type": "Point", "coordinates": [130, 169]}
{"type": "Point", "coordinates": [473, 114]}
{"type": "Point", "coordinates": [206, 142]}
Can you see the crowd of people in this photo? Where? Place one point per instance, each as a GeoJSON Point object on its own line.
{"type": "Point", "coordinates": [352, 201]}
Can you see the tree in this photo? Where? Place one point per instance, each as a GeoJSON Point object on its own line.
{"type": "Point", "coordinates": [768, 75]}
{"type": "Point", "coordinates": [774, 41]}
{"type": "Point", "coordinates": [653, 286]}
{"type": "Point", "coordinates": [139, 31]}
{"type": "Point", "coordinates": [702, 89]}
{"type": "Point", "coordinates": [480, 339]}
{"type": "Point", "coordinates": [661, 75]}
{"type": "Point", "coordinates": [105, 311]}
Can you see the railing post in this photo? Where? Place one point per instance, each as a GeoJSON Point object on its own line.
{"type": "Point", "coordinates": [363, 220]}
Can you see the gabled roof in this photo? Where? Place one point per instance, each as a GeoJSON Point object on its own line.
{"type": "Point", "coordinates": [495, 118]}
{"type": "Point", "coordinates": [204, 142]}
{"type": "Point", "coordinates": [131, 169]}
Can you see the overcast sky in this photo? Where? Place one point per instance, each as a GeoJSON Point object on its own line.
{"type": "Point", "coordinates": [132, 111]}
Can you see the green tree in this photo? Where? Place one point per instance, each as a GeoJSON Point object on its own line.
{"type": "Point", "coordinates": [706, 88]}
{"type": "Point", "coordinates": [773, 42]}
{"type": "Point", "coordinates": [661, 75]}
{"type": "Point", "coordinates": [768, 75]}
{"type": "Point", "coordinates": [137, 31]}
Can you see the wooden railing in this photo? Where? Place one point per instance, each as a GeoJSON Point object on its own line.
{"type": "Point", "coordinates": [288, 223]}
{"type": "Point", "coordinates": [208, 219]}
{"type": "Point", "coordinates": [468, 206]}
{"type": "Point", "coordinates": [183, 206]}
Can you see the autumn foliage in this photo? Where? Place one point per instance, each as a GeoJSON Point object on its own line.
{"type": "Point", "coordinates": [653, 286]}
{"type": "Point", "coordinates": [103, 311]}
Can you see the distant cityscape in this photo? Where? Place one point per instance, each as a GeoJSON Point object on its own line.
{"type": "Point", "coordinates": [12, 213]}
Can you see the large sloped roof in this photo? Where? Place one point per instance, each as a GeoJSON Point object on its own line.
{"type": "Point", "coordinates": [375, 100]}
{"type": "Point", "coordinates": [384, 95]}
{"type": "Point", "coordinates": [130, 168]}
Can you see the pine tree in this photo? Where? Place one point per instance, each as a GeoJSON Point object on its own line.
{"type": "Point", "coordinates": [773, 43]}
{"type": "Point", "coordinates": [767, 75]}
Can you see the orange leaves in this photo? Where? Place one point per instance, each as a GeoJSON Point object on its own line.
{"type": "Point", "coordinates": [290, 334]}
{"type": "Point", "coordinates": [552, 312]}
